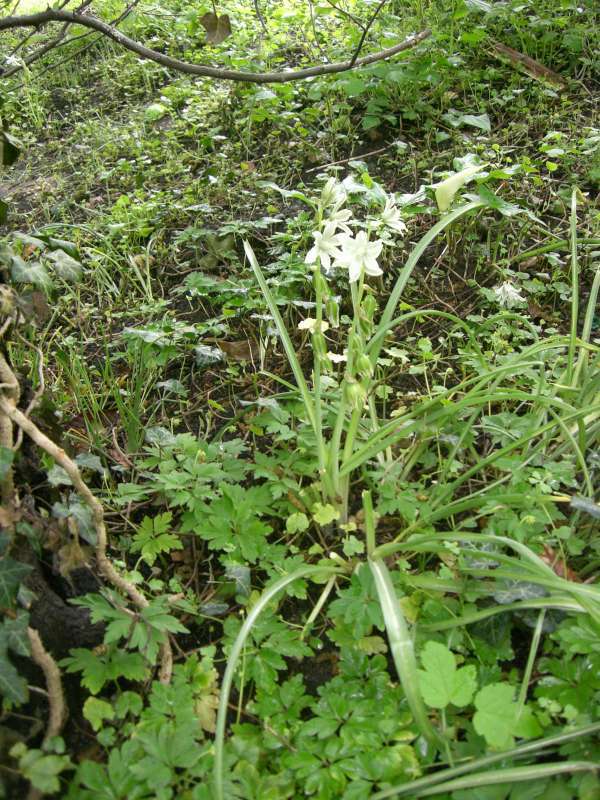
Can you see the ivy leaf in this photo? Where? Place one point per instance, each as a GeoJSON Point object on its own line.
{"type": "Point", "coordinates": [13, 633]}
{"type": "Point", "coordinates": [9, 148]}
{"type": "Point", "coordinates": [13, 687]}
{"type": "Point", "coordinates": [65, 266]}
{"type": "Point", "coordinates": [30, 272]}
{"type": "Point", "coordinates": [441, 682]}
{"type": "Point", "coordinates": [11, 574]}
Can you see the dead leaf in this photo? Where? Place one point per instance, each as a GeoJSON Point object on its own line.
{"type": "Point", "coordinates": [533, 68]}
{"type": "Point", "coordinates": [217, 28]}
{"type": "Point", "coordinates": [558, 565]}
{"type": "Point", "coordinates": [535, 311]}
{"type": "Point", "coordinates": [244, 350]}
{"type": "Point", "coordinates": [8, 518]}
{"type": "Point", "coordinates": [70, 557]}
{"type": "Point", "coordinates": [529, 263]}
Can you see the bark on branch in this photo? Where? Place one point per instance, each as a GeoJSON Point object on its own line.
{"type": "Point", "coordinates": [87, 20]}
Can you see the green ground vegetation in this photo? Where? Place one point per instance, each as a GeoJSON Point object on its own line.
{"type": "Point", "coordinates": [354, 509]}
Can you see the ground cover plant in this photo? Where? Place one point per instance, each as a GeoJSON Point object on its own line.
{"type": "Point", "coordinates": [300, 402]}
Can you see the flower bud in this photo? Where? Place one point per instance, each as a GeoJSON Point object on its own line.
{"type": "Point", "coordinates": [332, 309]}
{"type": "Point", "coordinates": [320, 284]}
{"type": "Point", "coordinates": [319, 345]}
{"type": "Point", "coordinates": [369, 307]}
{"type": "Point", "coordinates": [355, 394]}
{"type": "Point", "coordinates": [364, 368]}
{"type": "Point", "coordinates": [355, 345]}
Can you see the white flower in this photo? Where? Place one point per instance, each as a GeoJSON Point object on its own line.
{"type": "Point", "coordinates": [325, 247]}
{"type": "Point", "coordinates": [340, 216]}
{"type": "Point", "coordinates": [391, 218]}
{"type": "Point", "coordinates": [337, 358]}
{"type": "Point", "coordinates": [508, 295]}
{"type": "Point", "coordinates": [360, 255]}
{"type": "Point", "coordinates": [333, 194]}
{"type": "Point", "coordinates": [310, 324]}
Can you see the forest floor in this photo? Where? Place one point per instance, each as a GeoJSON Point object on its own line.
{"type": "Point", "coordinates": [166, 378]}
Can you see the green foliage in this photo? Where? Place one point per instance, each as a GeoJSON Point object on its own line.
{"type": "Point", "coordinates": [441, 682]}
{"type": "Point", "coordinates": [109, 664]}
{"type": "Point", "coordinates": [40, 768]}
{"type": "Point", "coordinates": [499, 719]}
{"type": "Point", "coordinates": [153, 538]}
{"type": "Point", "coordinates": [165, 365]}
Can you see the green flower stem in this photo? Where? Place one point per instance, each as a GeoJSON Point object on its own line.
{"type": "Point", "coordinates": [290, 352]}
{"type": "Point", "coordinates": [236, 650]}
{"type": "Point", "coordinates": [486, 761]}
{"type": "Point", "coordinates": [574, 289]}
{"type": "Point", "coordinates": [322, 452]}
{"type": "Point", "coordinates": [369, 521]}
{"type": "Point", "coordinates": [557, 244]}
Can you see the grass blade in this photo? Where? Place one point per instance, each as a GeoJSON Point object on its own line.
{"type": "Point", "coordinates": [486, 761]}
{"type": "Point", "coordinates": [514, 775]}
{"type": "Point", "coordinates": [402, 649]}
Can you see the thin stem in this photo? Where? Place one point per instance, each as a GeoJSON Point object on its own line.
{"type": "Point", "coordinates": [369, 521]}
{"type": "Point", "coordinates": [574, 288]}
{"type": "Point", "coordinates": [535, 643]}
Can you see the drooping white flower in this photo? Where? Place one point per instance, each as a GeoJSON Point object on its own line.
{"type": "Point", "coordinates": [508, 296]}
{"type": "Point", "coordinates": [333, 194]}
{"type": "Point", "coordinates": [310, 324]}
{"type": "Point", "coordinates": [359, 255]}
{"type": "Point", "coordinates": [391, 217]}
{"type": "Point", "coordinates": [325, 247]}
{"type": "Point", "coordinates": [340, 217]}
{"type": "Point", "coordinates": [338, 358]}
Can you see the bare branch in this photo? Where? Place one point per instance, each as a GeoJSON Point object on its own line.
{"type": "Point", "coordinates": [366, 30]}
{"type": "Point", "coordinates": [344, 13]}
{"type": "Point", "coordinates": [60, 41]}
{"type": "Point", "coordinates": [89, 21]}
{"type": "Point", "coordinates": [56, 699]}
{"type": "Point", "coordinates": [105, 565]}
{"type": "Point", "coordinates": [259, 16]}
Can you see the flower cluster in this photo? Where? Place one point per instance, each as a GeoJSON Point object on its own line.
{"type": "Point", "coordinates": [508, 295]}
{"type": "Point", "coordinates": [336, 247]}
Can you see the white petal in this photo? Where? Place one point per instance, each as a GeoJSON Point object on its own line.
{"type": "Point", "coordinates": [307, 324]}
{"type": "Point", "coordinates": [311, 256]}
{"type": "Point", "coordinates": [354, 271]}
